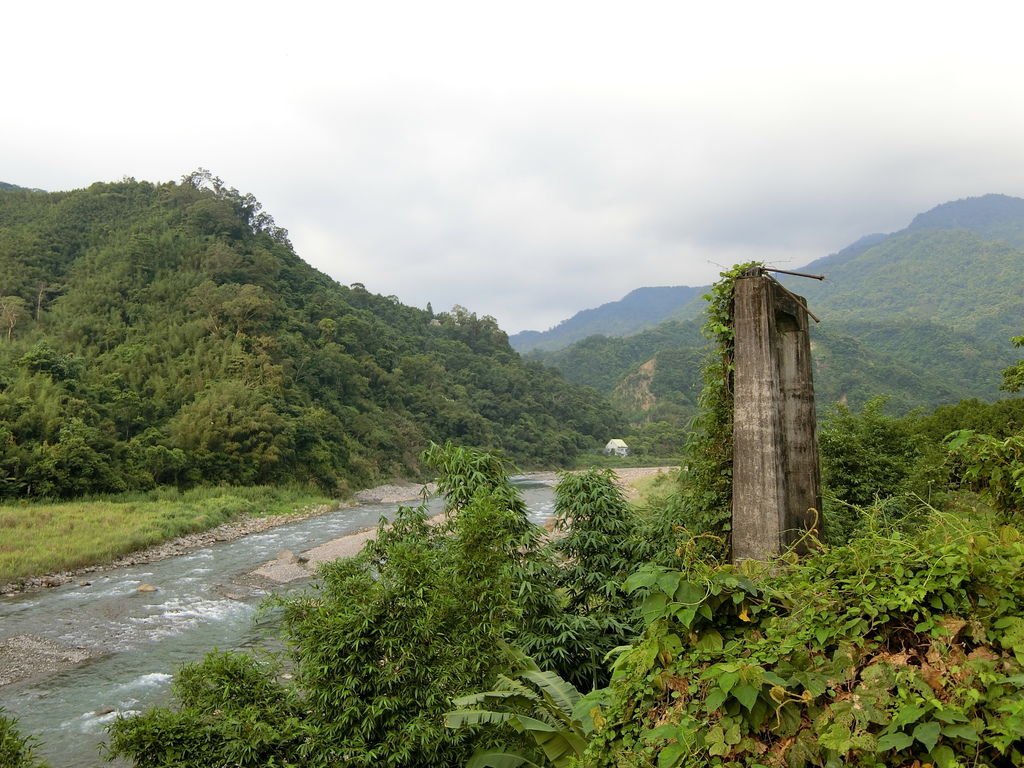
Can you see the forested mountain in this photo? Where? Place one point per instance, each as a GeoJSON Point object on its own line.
{"type": "Point", "coordinates": [637, 310]}
{"type": "Point", "coordinates": [991, 217]}
{"type": "Point", "coordinates": [923, 316]}
{"type": "Point", "coordinates": [168, 333]}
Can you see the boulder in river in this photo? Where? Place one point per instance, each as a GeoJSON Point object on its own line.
{"type": "Point", "coordinates": [146, 588]}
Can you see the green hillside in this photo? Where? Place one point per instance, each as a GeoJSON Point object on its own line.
{"type": "Point", "coordinates": [991, 217]}
{"type": "Point", "coordinates": [168, 333]}
{"type": "Point", "coordinates": [953, 278]}
{"type": "Point", "coordinates": [923, 316]}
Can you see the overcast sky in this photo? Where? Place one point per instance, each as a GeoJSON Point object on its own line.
{"type": "Point", "coordinates": [529, 159]}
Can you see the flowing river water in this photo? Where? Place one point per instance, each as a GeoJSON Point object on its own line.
{"type": "Point", "coordinates": [135, 640]}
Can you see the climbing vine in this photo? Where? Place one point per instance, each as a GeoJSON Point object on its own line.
{"type": "Point", "coordinates": [704, 499]}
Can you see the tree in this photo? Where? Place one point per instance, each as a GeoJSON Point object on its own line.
{"type": "Point", "coordinates": [1013, 377]}
{"type": "Point", "coordinates": [12, 309]}
{"type": "Point", "coordinates": [599, 551]}
{"type": "Point", "coordinates": [865, 457]}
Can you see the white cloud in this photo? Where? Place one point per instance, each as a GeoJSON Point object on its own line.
{"type": "Point", "coordinates": [529, 159]}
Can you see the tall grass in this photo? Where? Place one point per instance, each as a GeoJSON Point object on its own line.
{"type": "Point", "coordinates": [40, 538]}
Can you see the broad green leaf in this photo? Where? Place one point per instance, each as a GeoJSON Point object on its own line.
{"type": "Point", "coordinates": [531, 724]}
{"type": "Point", "coordinates": [645, 577]}
{"type": "Point", "coordinates": [894, 741]}
{"type": "Point", "coordinates": [670, 756]}
{"type": "Point", "coordinates": [715, 699]}
{"type": "Point", "coordinates": [710, 640]}
{"type": "Point", "coordinates": [562, 693]}
{"type": "Point", "coordinates": [460, 718]}
{"type": "Point", "coordinates": [944, 757]}
{"type": "Point", "coordinates": [964, 731]}
{"type": "Point", "coordinates": [908, 714]}
{"type": "Point", "coordinates": [653, 607]}
{"type": "Point", "coordinates": [746, 694]}
{"type": "Point", "coordinates": [499, 760]}
{"type": "Point", "coordinates": [689, 593]}
{"type": "Point", "coordinates": [927, 734]}
{"type": "Point", "coordinates": [727, 680]}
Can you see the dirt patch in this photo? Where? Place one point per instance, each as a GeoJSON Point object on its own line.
{"type": "Point", "coordinates": [396, 493]}
{"type": "Point", "coordinates": [630, 475]}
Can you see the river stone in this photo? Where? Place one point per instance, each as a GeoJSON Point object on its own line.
{"type": "Point", "coordinates": [146, 588]}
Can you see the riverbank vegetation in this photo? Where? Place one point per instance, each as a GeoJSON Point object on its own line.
{"type": "Point", "coordinates": [50, 537]}
{"type": "Point", "coordinates": [16, 750]}
{"type": "Point", "coordinates": [901, 644]}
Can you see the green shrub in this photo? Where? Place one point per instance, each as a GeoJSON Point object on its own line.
{"type": "Point", "coordinates": [867, 457]}
{"type": "Point", "coordinates": [992, 465]}
{"type": "Point", "coordinates": [16, 751]}
{"type": "Point", "coordinates": [895, 649]}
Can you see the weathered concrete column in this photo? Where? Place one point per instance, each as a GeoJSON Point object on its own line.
{"type": "Point", "coordinates": [776, 479]}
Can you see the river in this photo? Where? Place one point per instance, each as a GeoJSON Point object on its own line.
{"type": "Point", "coordinates": [137, 639]}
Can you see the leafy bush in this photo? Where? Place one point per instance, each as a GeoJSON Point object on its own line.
{"type": "Point", "coordinates": [896, 649]}
{"type": "Point", "coordinates": [598, 549]}
{"type": "Point", "coordinates": [1013, 377]}
{"type": "Point", "coordinates": [992, 465]}
{"type": "Point", "coordinates": [377, 652]}
{"type": "Point", "coordinates": [538, 704]}
{"type": "Point", "coordinates": [866, 457]}
{"type": "Point", "coordinates": [15, 750]}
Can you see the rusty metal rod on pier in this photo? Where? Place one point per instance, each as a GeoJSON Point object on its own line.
{"type": "Point", "coordinates": [795, 274]}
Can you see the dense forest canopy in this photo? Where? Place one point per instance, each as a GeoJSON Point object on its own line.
{"type": "Point", "coordinates": [168, 333]}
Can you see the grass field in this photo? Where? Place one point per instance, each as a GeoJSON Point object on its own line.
{"type": "Point", "coordinates": [41, 538]}
{"type": "Point", "coordinates": [652, 487]}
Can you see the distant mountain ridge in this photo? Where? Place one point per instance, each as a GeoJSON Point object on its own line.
{"type": "Point", "coordinates": [922, 315]}
{"type": "Point", "coordinates": [6, 187]}
{"type": "Point", "coordinates": [992, 217]}
{"type": "Point", "coordinates": [637, 310]}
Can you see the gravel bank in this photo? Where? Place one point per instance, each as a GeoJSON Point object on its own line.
{"type": "Point", "coordinates": [24, 656]}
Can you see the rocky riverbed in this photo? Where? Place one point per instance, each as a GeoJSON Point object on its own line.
{"type": "Point", "coordinates": [23, 656]}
